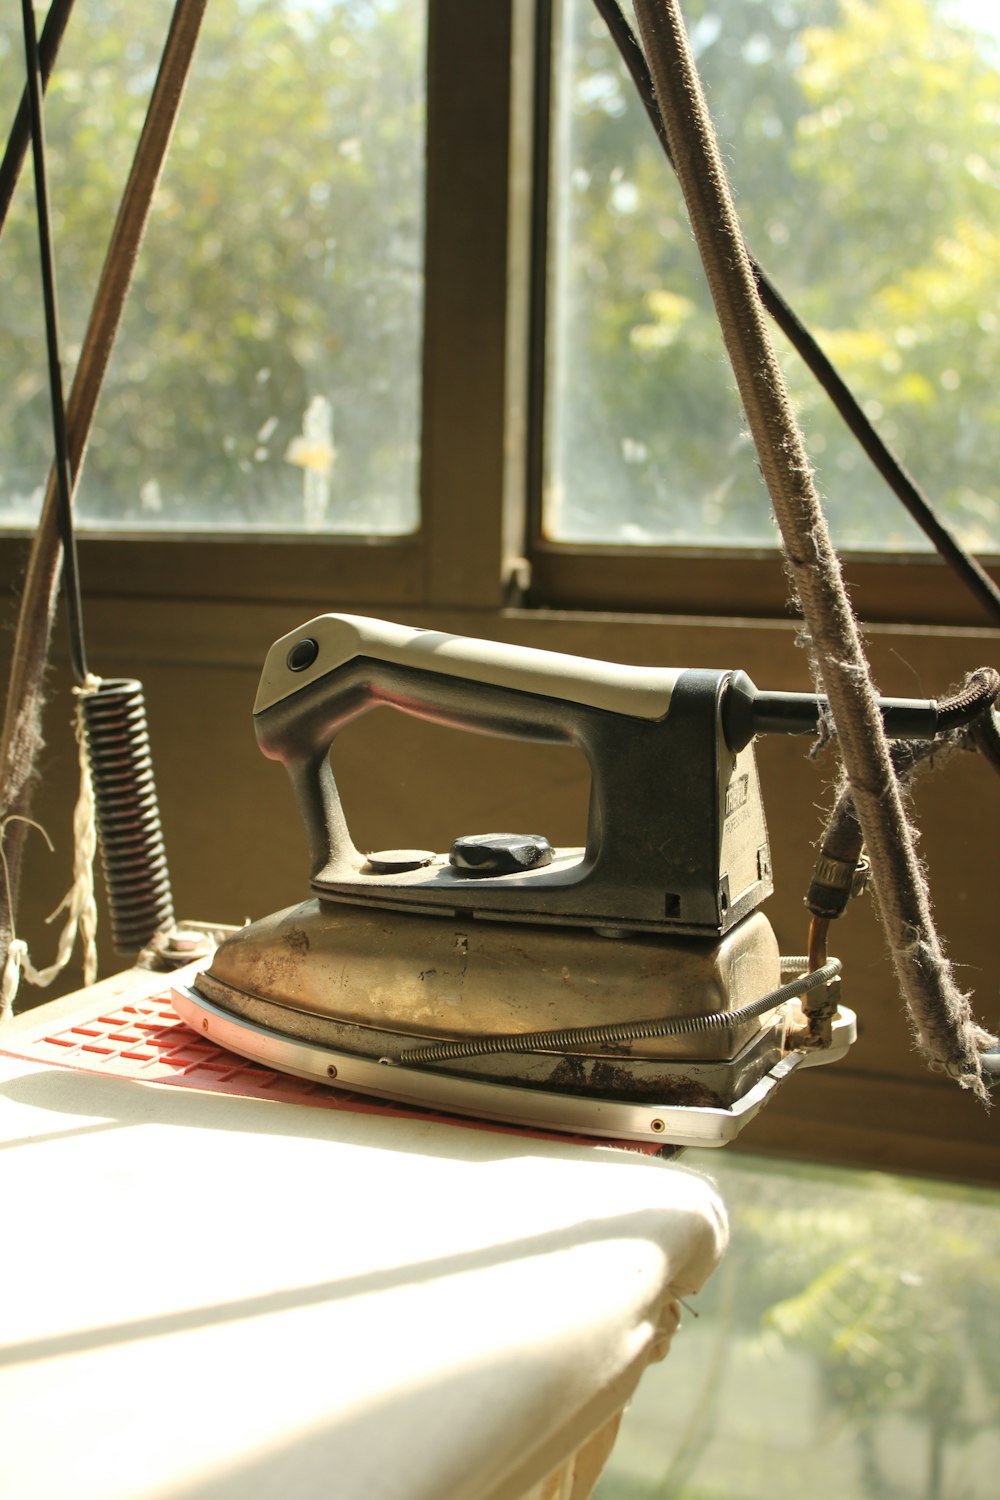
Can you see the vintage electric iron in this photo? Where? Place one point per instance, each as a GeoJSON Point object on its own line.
{"type": "Point", "coordinates": [630, 989]}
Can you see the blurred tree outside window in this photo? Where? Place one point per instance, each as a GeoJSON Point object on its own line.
{"type": "Point", "coordinates": [267, 376]}
{"type": "Point", "coordinates": [849, 1347]}
{"type": "Point", "coordinates": [862, 138]}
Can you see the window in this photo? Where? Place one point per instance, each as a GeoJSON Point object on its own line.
{"type": "Point", "coordinates": [266, 378]}
{"type": "Point", "coordinates": [344, 377]}
{"type": "Point", "coordinates": [842, 1349]}
{"type": "Point", "coordinates": [874, 210]}
{"type": "Point", "coordinates": [337, 329]}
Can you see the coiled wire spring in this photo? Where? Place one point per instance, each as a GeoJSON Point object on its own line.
{"type": "Point", "coordinates": [623, 1031]}
{"type": "Point", "coordinates": [128, 815]}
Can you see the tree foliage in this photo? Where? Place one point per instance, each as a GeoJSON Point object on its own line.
{"type": "Point", "coordinates": [862, 141]}
{"type": "Point", "coordinates": [282, 270]}
{"type": "Point", "coordinates": [282, 263]}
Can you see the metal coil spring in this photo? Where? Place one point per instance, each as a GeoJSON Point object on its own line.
{"type": "Point", "coordinates": [621, 1031]}
{"type": "Point", "coordinates": [128, 815]}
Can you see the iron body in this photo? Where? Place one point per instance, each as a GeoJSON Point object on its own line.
{"type": "Point", "coordinates": [622, 989]}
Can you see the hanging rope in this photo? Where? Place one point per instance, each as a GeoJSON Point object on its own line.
{"type": "Point", "coordinates": [945, 1029]}
{"type": "Point", "coordinates": [78, 902]}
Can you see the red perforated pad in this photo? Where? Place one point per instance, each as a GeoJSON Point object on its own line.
{"type": "Point", "coordinates": [147, 1040]}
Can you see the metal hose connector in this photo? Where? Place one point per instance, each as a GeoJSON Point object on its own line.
{"type": "Point", "coordinates": [622, 1031]}
{"type": "Point", "coordinates": [128, 815]}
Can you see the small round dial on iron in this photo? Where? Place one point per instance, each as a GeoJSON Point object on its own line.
{"type": "Point", "coordinates": [500, 853]}
{"type": "Point", "coordinates": [397, 861]}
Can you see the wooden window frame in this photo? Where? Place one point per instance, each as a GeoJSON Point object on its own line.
{"type": "Point", "coordinates": [481, 542]}
{"type": "Point", "coordinates": [455, 556]}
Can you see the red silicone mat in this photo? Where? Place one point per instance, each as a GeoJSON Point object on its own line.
{"type": "Point", "coordinates": [146, 1040]}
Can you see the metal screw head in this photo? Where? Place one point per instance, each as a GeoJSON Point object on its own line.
{"type": "Point", "coordinates": [657, 1127]}
{"type": "Point", "coordinates": [331, 1071]}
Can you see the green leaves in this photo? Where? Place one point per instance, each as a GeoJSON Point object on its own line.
{"type": "Point", "coordinates": [282, 263]}
{"type": "Point", "coordinates": [863, 141]}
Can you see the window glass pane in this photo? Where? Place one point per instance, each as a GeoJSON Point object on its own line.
{"type": "Point", "coordinates": [846, 1347]}
{"type": "Point", "coordinates": [863, 142]}
{"type": "Point", "coordinates": [267, 374]}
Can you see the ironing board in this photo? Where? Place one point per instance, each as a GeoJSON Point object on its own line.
{"type": "Point", "coordinates": [217, 1296]}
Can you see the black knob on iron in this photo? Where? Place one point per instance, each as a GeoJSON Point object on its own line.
{"type": "Point", "coordinates": [500, 853]}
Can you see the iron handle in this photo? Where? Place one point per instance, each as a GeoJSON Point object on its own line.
{"type": "Point", "coordinates": [331, 643]}
{"type": "Point", "coordinates": [337, 667]}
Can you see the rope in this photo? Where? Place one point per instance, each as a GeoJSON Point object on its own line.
{"type": "Point", "coordinates": [945, 1029]}
{"type": "Point", "coordinates": [78, 902]}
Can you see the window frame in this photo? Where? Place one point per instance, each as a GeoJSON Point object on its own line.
{"type": "Point", "coordinates": [454, 557]}
{"type": "Point", "coordinates": [481, 542]}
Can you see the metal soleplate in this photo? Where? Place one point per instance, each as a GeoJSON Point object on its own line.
{"type": "Point", "coordinates": [510, 1105]}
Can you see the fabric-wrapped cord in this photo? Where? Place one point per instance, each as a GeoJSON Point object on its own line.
{"type": "Point", "coordinates": [941, 1013]}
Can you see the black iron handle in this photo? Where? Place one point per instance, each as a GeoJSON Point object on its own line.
{"type": "Point", "coordinates": [747, 710]}
{"type": "Point", "coordinates": [337, 667]}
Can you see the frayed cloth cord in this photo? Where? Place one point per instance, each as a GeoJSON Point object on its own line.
{"type": "Point", "coordinates": [967, 722]}
{"type": "Point", "coordinates": [941, 1013]}
{"type": "Point", "coordinates": [78, 902]}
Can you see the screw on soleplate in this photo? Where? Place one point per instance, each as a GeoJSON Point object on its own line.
{"type": "Point", "coordinates": [331, 1071]}
{"type": "Point", "coordinates": [657, 1127]}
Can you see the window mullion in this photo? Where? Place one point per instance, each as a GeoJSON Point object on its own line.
{"type": "Point", "coordinates": [468, 269]}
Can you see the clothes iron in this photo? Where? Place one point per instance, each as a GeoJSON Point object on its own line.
{"type": "Point", "coordinates": [628, 989]}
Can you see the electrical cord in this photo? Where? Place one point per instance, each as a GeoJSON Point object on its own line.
{"type": "Point", "coordinates": [63, 472]}
{"type": "Point", "coordinates": [966, 722]}
{"type": "Point", "coordinates": [20, 131]}
{"type": "Point", "coordinates": [114, 716]}
{"type": "Point", "coordinates": [945, 1027]}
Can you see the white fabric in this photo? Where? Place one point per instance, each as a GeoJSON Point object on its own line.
{"type": "Point", "coordinates": [215, 1297]}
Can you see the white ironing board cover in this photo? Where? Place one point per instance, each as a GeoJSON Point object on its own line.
{"type": "Point", "coordinates": [218, 1297]}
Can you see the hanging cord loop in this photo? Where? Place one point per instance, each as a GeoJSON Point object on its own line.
{"type": "Point", "coordinates": [78, 902]}
{"type": "Point", "coordinates": [967, 721]}
{"type": "Point", "coordinates": [945, 1029]}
